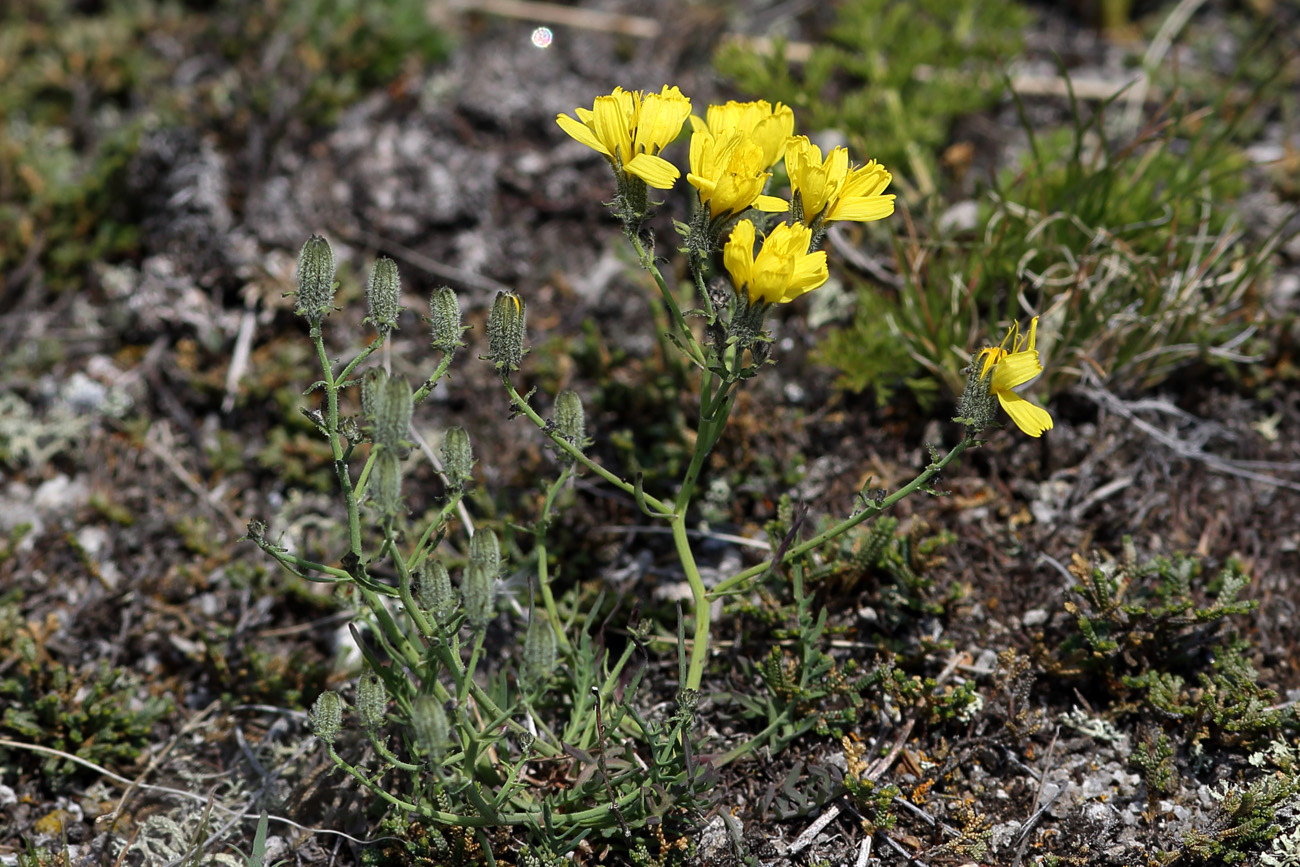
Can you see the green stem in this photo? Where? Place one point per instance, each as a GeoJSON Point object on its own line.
{"type": "Point", "coordinates": [423, 391]}
{"type": "Point", "coordinates": [332, 431]}
{"type": "Point", "coordinates": [844, 526]}
{"type": "Point", "coordinates": [569, 448]}
{"type": "Point", "coordinates": [699, 601]}
{"type": "Point", "coordinates": [691, 344]}
{"type": "Point", "coordinates": [543, 568]}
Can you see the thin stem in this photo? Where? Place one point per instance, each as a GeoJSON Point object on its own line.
{"type": "Point", "coordinates": [543, 568]}
{"type": "Point", "coordinates": [692, 345]}
{"type": "Point", "coordinates": [844, 526]}
{"type": "Point", "coordinates": [332, 432]}
{"type": "Point", "coordinates": [699, 602]}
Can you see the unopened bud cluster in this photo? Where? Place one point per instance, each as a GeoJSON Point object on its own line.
{"type": "Point", "coordinates": [433, 589]}
{"type": "Point", "coordinates": [372, 701]}
{"type": "Point", "coordinates": [326, 717]}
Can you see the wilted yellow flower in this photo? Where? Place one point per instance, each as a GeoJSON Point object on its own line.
{"type": "Point", "coordinates": [783, 270]}
{"type": "Point", "coordinates": [630, 129]}
{"type": "Point", "coordinates": [832, 188]}
{"type": "Point", "coordinates": [1013, 367]}
{"type": "Point", "coordinates": [769, 127]}
{"type": "Point", "coordinates": [728, 171]}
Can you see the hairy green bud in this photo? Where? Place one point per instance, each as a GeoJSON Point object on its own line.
{"type": "Point", "coordinates": [978, 406]}
{"type": "Point", "coordinates": [386, 482]}
{"type": "Point", "coordinates": [372, 700]}
{"type": "Point", "coordinates": [393, 406]}
{"type": "Point", "coordinates": [505, 329]}
{"type": "Point", "coordinates": [539, 651]}
{"type": "Point", "coordinates": [384, 295]}
{"type": "Point", "coordinates": [457, 457]}
{"type": "Point", "coordinates": [326, 717]}
{"type": "Point", "coordinates": [429, 722]}
{"type": "Point", "coordinates": [477, 593]}
{"type": "Point", "coordinates": [486, 550]}
{"type": "Point", "coordinates": [570, 420]}
{"type": "Point", "coordinates": [315, 280]}
{"type": "Point", "coordinates": [433, 589]}
{"type": "Point", "coordinates": [444, 320]}
{"type": "Point", "coordinates": [372, 384]}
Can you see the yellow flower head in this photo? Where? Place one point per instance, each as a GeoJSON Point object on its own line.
{"type": "Point", "coordinates": [728, 170]}
{"type": "Point", "coordinates": [783, 270]}
{"type": "Point", "coordinates": [630, 129]}
{"type": "Point", "coordinates": [1013, 367]}
{"type": "Point", "coordinates": [834, 189]}
{"type": "Point", "coordinates": [769, 127]}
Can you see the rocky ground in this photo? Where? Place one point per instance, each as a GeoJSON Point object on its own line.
{"type": "Point", "coordinates": [149, 413]}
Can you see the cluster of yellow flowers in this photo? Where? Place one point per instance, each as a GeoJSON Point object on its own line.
{"type": "Point", "coordinates": [733, 149]}
{"type": "Point", "coordinates": [732, 152]}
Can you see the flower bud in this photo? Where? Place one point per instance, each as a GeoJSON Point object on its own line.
{"type": "Point", "coordinates": [444, 319]}
{"type": "Point", "coordinates": [978, 406]}
{"type": "Point", "coordinates": [476, 594]}
{"type": "Point", "coordinates": [433, 589]}
{"type": "Point", "coordinates": [486, 550]}
{"type": "Point", "coordinates": [505, 328]}
{"type": "Point", "coordinates": [570, 419]}
{"type": "Point", "coordinates": [372, 701]}
{"type": "Point", "coordinates": [315, 280]}
{"type": "Point", "coordinates": [372, 385]}
{"type": "Point", "coordinates": [383, 295]}
{"type": "Point", "coordinates": [539, 651]}
{"type": "Point", "coordinates": [457, 457]}
{"type": "Point", "coordinates": [326, 717]}
{"type": "Point", "coordinates": [386, 482]}
{"type": "Point", "coordinates": [429, 722]}
{"type": "Point", "coordinates": [393, 408]}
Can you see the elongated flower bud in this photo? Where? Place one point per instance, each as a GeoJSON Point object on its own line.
{"type": "Point", "coordinates": [386, 482]}
{"type": "Point", "coordinates": [383, 295]}
{"type": "Point", "coordinates": [978, 406]}
{"type": "Point", "coordinates": [433, 589]}
{"type": "Point", "coordinates": [393, 408]}
{"type": "Point", "coordinates": [570, 419]}
{"type": "Point", "coordinates": [505, 328]}
{"type": "Point", "coordinates": [326, 717]}
{"type": "Point", "coordinates": [444, 319]}
{"type": "Point", "coordinates": [539, 651]}
{"type": "Point", "coordinates": [486, 550]}
{"type": "Point", "coordinates": [372, 700]}
{"type": "Point", "coordinates": [315, 280]}
{"type": "Point", "coordinates": [476, 593]}
{"type": "Point", "coordinates": [457, 457]}
{"type": "Point", "coordinates": [429, 722]}
{"type": "Point", "coordinates": [372, 385]}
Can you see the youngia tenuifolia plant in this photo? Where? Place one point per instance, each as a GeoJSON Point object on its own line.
{"type": "Point", "coordinates": [464, 738]}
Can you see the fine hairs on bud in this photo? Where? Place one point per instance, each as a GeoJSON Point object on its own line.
{"type": "Point", "coordinates": [978, 405]}
{"type": "Point", "coordinates": [383, 294]}
{"type": "Point", "coordinates": [477, 593]}
{"type": "Point", "coordinates": [386, 482]}
{"type": "Point", "coordinates": [393, 406]}
{"type": "Point", "coordinates": [315, 280]}
{"type": "Point", "coordinates": [326, 716]}
{"type": "Point", "coordinates": [505, 328]}
{"type": "Point", "coordinates": [433, 589]}
{"type": "Point", "coordinates": [372, 384]}
{"type": "Point", "coordinates": [444, 320]}
{"type": "Point", "coordinates": [570, 420]}
{"type": "Point", "coordinates": [372, 701]}
{"type": "Point", "coordinates": [429, 722]}
{"type": "Point", "coordinates": [485, 549]}
{"type": "Point", "coordinates": [539, 651]}
{"type": "Point", "coordinates": [457, 457]}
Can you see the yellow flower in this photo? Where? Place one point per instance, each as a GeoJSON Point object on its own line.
{"type": "Point", "coordinates": [1013, 367]}
{"type": "Point", "coordinates": [832, 188]}
{"type": "Point", "coordinates": [769, 127]}
{"type": "Point", "coordinates": [783, 270]}
{"type": "Point", "coordinates": [630, 129]}
{"type": "Point", "coordinates": [728, 170]}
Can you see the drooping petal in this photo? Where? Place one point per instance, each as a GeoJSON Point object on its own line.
{"type": "Point", "coordinates": [655, 171]}
{"type": "Point", "coordinates": [1030, 418]}
{"type": "Point", "coordinates": [582, 133]}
